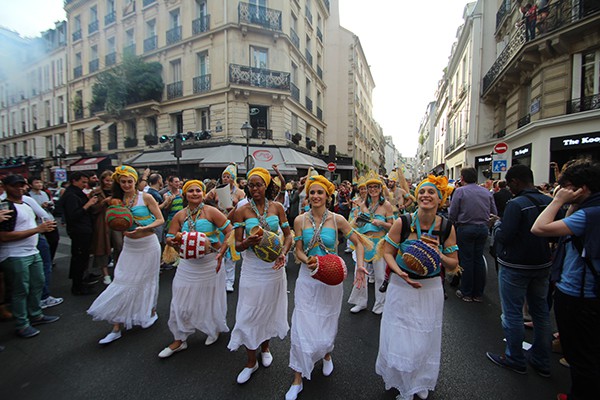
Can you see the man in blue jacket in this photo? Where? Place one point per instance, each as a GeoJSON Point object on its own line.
{"type": "Point", "coordinates": [524, 261]}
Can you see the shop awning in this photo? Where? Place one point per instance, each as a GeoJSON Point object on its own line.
{"type": "Point", "coordinates": [87, 164]}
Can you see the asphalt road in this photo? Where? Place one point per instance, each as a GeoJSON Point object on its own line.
{"type": "Point", "coordinates": [66, 362]}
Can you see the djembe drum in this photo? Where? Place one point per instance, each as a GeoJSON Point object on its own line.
{"type": "Point", "coordinates": [331, 269]}
{"type": "Point", "coordinates": [421, 258]}
{"type": "Point", "coordinates": [194, 245]}
{"type": "Point", "coordinates": [270, 246]}
{"type": "Point", "coordinates": [118, 217]}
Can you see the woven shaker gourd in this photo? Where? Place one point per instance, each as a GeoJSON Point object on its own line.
{"type": "Point", "coordinates": [331, 269]}
{"type": "Point", "coordinates": [270, 246]}
{"type": "Point", "coordinates": [118, 217]}
{"type": "Point", "coordinates": [194, 245]}
{"type": "Point", "coordinates": [421, 258]}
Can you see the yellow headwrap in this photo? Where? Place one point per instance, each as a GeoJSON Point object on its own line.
{"type": "Point", "coordinates": [231, 170]}
{"type": "Point", "coordinates": [373, 177]}
{"type": "Point", "coordinates": [261, 172]}
{"type": "Point", "coordinates": [362, 181]}
{"type": "Point", "coordinates": [125, 170]}
{"type": "Point", "coordinates": [440, 183]}
{"type": "Point", "coordinates": [193, 182]}
{"type": "Point", "coordinates": [321, 180]}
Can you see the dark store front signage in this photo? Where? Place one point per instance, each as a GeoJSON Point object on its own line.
{"type": "Point", "coordinates": [483, 160]}
{"type": "Point", "coordinates": [522, 152]}
{"type": "Point", "coordinates": [575, 142]}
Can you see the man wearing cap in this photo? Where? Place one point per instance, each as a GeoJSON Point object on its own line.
{"type": "Point", "coordinates": [21, 261]}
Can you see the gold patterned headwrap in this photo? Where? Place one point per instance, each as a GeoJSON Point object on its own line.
{"type": "Point", "coordinates": [373, 177]}
{"type": "Point", "coordinates": [193, 182]}
{"type": "Point", "coordinates": [262, 173]}
{"type": "Point", "coordinates": [320, 180]}
{"type": "Point", "coordinates": [361, 182]}
{"type": "Point", "coordinates": [440, 183]}
{"type": "Point", "coordinates": [231, 170]}
{"type": "Point", "coordinates": [125, 170]}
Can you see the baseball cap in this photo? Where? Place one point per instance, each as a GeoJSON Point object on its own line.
{"type": "Point", "coordinates": [13, 179]}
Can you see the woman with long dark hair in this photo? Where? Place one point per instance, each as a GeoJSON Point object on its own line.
{"type": "Point", "coordinates": [131, 298]}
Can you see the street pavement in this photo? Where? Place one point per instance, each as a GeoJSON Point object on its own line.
{"type": "Point", "coordinates": [66, 362]}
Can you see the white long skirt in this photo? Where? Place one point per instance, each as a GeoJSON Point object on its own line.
{"type": "Point", "coordinates": [261, 312]}
{"type": "Point", "coordinates": [199, 299]}
{"type": "Point", "coordinates": [131, 297]}
{"type": "Point", "coordinates": [314, 321]}
{"type": "Point", "coordinates": [410, 338]}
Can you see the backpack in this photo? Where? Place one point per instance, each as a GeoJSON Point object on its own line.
{"type": "Point", "coordinates": [559, 258]}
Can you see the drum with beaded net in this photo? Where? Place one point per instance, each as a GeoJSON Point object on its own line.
{"type": "Point", "coordinates": [331, 269]}
{"type": "Point", "coordinates": [270, 246]}
{"type": "Point", "coordinates": [421, 258]}
{"type": "Point", "coordinates": [119, 218]}
{"type": "Point", "coordinates": [194, 245]}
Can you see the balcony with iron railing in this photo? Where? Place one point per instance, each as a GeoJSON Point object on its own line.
{"type": "Point", "coordinates": [201, 84]}
{"type": "Point", "coordinates": [560, 15]}
{"type": "Point", "coordinates": [261, 133]}
{"type": "Point", "coordinates": [258, 77]}
{"type": "Point", "coordinates": [110, 59]}
{"type": "Point", "coordinates": [130, 142]}
{"type": "Point", "coordinates": [586, 103]}
{"type": "Point", "coordinates": [93, 27]}
{"type": "Point", "coordinates": [96, 147]}
{"type": "Point", "coordinates": [503, 11]}
{"type": "Point", "coordinates": [77, 71]}
{"type": "Point", "coordinates": [174, 90]}
{"type": "Point", "coordinates": [259, 15]}
{"type": "Point", "coordinates": [113, 145]}
{"type": "Point", "coordinates": [94, 65]}
{"type": "Point", "coordinates": [295, 92]}
{"type": "Point", "coordinates": [80, 149]}
{"type": "Point", "coordinates": [309, 104]}
{"type": "Point", "coordinates": [129, 50]}
{"type": "Point", "coordinates": [500, 134]}
{"type": "Point", "coordinates": [451, 146]}
{"type": "Point", "coordinates": [201, 25]}
{"type": "Point", "coordinates": [294, 38]}
{"type": "Point", "coordinates": [77, 35]}
{"type": "Point", "coordinates": [148, 2]}
{"type": "Point", "coordinates": [174, 35]}
{"type": "Point", "coordinates": [309, 58]}
{"type": "Point", "coordinates": [524, 121]}
{"type": "Point", "coordinates": [150, 43]}
{"type": "Point", "coordinates": [110, 18]}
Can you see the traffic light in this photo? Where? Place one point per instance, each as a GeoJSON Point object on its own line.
{"type": "Point", "coordinates": [164, 139]}
{"type": "Point", "coordinates": [177, 145]}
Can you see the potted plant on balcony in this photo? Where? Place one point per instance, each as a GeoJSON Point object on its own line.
{"type": "Point", "coordinates": [320, 149]}
{"type": "Point", "coordinates": [150, 139]}
{"type": "Point", "coordinates": [296, 138]}
{"type": "Point", "coordinates": [131, 142]}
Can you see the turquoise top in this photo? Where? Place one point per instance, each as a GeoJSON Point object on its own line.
{"type": "Point", "coordinates": [272, 220]}
{"type": "Point", "coordinates": [208, 228]}
{"type": "Point", "coordinates": [329, 240]}
{"type": "Point", "coordinates": [141, 216]}
{"type": "Point", "coordinates": [369, 227]}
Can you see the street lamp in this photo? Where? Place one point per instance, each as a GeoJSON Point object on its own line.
{"type": "Point", "coordinates": [247, 131]}
{"type": "Point", "coordinates": [60, 153]}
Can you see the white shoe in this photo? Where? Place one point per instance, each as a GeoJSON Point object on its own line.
{"type": "Point", "coordinates": [107, 281]}
{"type": "Point", "coordinates": [400, 397]}
{"type": "Point", "coordinates": [371, 279]}
{"type": "Point", "coordinates": [111, 264]}
{"type": "Point", "coordinates": [246, 373]}
{"type": "Point", "coordinates": [348, 250]}
{"type": "Point", "coordinates": [357, 309]}
{"type": "Point", "coordinates": [292, 394]}
{"type": "Point", "coordinates": [229, 288]}
{"type": "Point", "coordinates": [50, 302]}
{"type": "Point", "coordinates": [378, 311]}
{"type": "Point", "coordinates": [267, 359]}
{"type": "Point", "coordinates": [167, 352]}
{"type": "Point", "coordinates": [111, 337]}
{"type": "Point", "coordinates": [423, 394]}
{"type": "Point", "coordinates": [211, 339]}
{"type": "Point", "coordinates": [327, 366]}
{"type": "Point", "coordinates": [150, 322]}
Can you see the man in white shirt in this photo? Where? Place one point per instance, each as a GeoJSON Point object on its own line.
{"type": "Point", "coordinates": [21, 261]}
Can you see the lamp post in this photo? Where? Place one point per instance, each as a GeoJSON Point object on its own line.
{"type": "Point", "coordinates": [247, 131]}
{"type": "Point", "coordinates": [60, 153]}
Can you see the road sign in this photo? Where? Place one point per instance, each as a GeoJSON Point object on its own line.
{"type": "Point", "coordinates": [499, 166]}
{"type": "Point", "coordinates": [500, 148]}
{"type": "Point", "coordinates": [60, 175]}
{"type": "Point", "coordinates": [331, 167]}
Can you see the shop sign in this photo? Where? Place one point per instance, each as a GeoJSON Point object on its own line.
{"type": "Point", "coordinates": [481, 160]}
{"type": "Point", "coordinates": [575, 142]}
{"type": "Point", "coordinates": [522, 152]}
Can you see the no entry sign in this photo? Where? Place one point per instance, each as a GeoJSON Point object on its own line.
{"type": "Point", "coordinates": [500, 148]}
{"type": "Point", "coordinates": [331, 167]}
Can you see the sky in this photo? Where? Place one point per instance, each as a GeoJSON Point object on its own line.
{"type": "Point", "coordinates": [407, 45]}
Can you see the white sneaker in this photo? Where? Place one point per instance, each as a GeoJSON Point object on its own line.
{"type": "Point", "coordinates": [111, 337]}
{"type": "Point", "coordinates": [167, 352]}
{"type": "Point", "coordinates": [50, 302]}
{"type": "Point", "coordinates": [211, 339]}
{"type": "Point", "coordinates": [371, 279]}
{"type": "Point", "coordinates": [150, 322]}
{"type": "Point", "coordinates": [423, 394]}
{"type": "Point", "coordinates": [111, 264]}
{"type": "Point", "coordinates": [292, 393]}
{"type": "Point", "coordinates": [357, 309]}
{"type": "Point", "coordinates": [327, 366]}
{"type": "Point", "coordinates": [107, 281]}
{"type": "Point", "coordinates": [267, 359]}
{"type": "Point", "coordinates": [229, 288]}
{"type": "Point", "coordinates": [246, 373]}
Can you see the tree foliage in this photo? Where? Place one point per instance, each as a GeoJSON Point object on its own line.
{"type": "Point", "coordinates": [133, 81]}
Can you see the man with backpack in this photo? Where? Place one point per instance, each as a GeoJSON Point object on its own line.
{"type": "Point", "coordinates": [524, 261]}
{"type": "Point", "coordinates": [577, 293]}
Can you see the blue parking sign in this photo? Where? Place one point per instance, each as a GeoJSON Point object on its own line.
{"type": "Point", "coordinates": [499, 166]}
{"type": "Point", "coordinates": [60, 175]}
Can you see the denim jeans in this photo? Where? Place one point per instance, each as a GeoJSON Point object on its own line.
{"type": "Point", "coordinates": [471, 241]}
{"type": "Point", "coordinates": [516, 285]}
{"type": "Point", "coordinates": [44, 249]}
{"type": "Point", "coordinates": [27, 277]}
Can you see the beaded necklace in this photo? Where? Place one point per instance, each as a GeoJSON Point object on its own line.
{"type": "Point", "coordinates": [193, 216]}
{"type": "Point", "coordinates": [316, 239]}
{"type": "Point", "coordinates": [132, 201]}
{"type": "Point", "coordinates": [262, 219]}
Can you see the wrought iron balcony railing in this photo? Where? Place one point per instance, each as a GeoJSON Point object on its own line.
{"type": "Point", "coordinates": [295, 92]}
{"type": "Point", "coordinates": [110, 18]}
{"type": "Point", "coordinates": [308, 103]}
{"type": "Point", "coordinates": [148, 2]}
{"type": "Point", "coordinates": [96, 147]}
{"type": "Point", "coordinates": [294, 38]}
{"type": "Point", "coordinates": [80, 149]}
{"type": "Point", "coordinates": [77, 35]}
{"type": "Point", "coordinates": [77, 71]}
{"type": "Point", "coordinates": [503, 11]}
{"type": "Point", "coordinates": [174, 90]}
{"type": "Point", "coordinates": [558, 15]}
{"type": "Point", "coordinates": [259, 77]}
{"type": "Point", "coordinates": [110, 59]}
{"type": "Point", "coordinates": [112, 145]}
{"type": "Point", "coordinates": [524, 121]}
{"type": "Point", "coordinates": [129, 50]}
{"type": "Point", "coordinates": [261, 133]}
{"type": "Point", "coordinates": [309, 57]}
{"type": "Point", "coordinates": [201, 25]}
{"type": "Point", "coordinates": [151, 43]}
{"type": "Point", "coordinates": [93, 27]}
{"type": "Point", "coordinates": [500, 134]}
{"type": "Point", "coordinates": [130, 142]}
{"type": "Point", "coordinates": [584, 104]}
{"type": "Point", "coordinates": [94, 65]}
{"type": "Point", "coordinates": [258, 15]}
{"type": "Point", "coordinates": [201, 83]}
{"type": "Point", "coordinates": [174, 35]}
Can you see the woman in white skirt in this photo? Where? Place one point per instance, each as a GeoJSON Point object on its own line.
{"type": "Point", "coordinates": [199, 298]}
{"type": "Point", "coordinates": [317, 305]}
{"type": "Point", "coordinates": [262, 304]}
{"type": "Point", "coordinates": [410, 337]}
{"type": "Point", "coordinates": [131, 298]}
{"type": "Point", "coordinates": [374, 219]}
